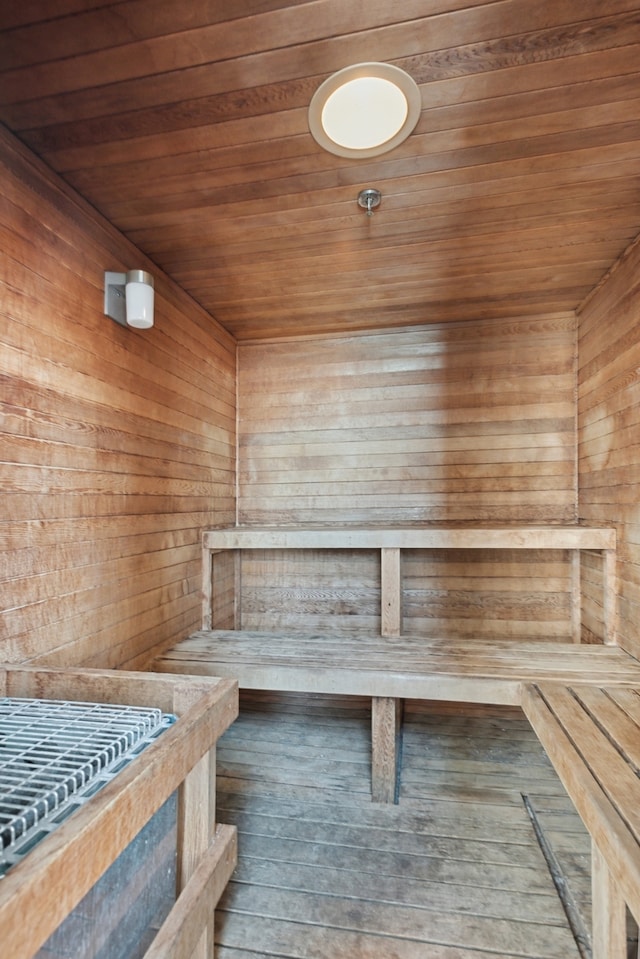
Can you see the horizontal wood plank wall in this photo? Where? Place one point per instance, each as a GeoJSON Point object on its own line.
{"type": "Point", "coordinates": [466, 423]}
{"type": "Point", "coordinates": [118, 447]}
{"type": "Point", "coordinates": [311, 590]}
{"type": "Point", "coordinates": [495, 593]}
{"type": "Point", "coordinates": [226, 590]}
{"type": "Point", "coordinates": [608, 431]}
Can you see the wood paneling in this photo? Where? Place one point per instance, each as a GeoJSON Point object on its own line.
{"type": "Point", "coordinates": [118, 447]}
{"type": "Point", "coordinates": [186, 125]}
{"type": "Point", "coordinates": [468, 423]}
{"type": "Point", "coordinates": [311, 591]}
{"type": "Point", "coordinates": [497, 593]}
{"type": "Point", "coordinates": [227, 586]}
{"type": "Point", "coordinates": [609, 430]}
{"type": "Point", "coordinates": [188, 129]}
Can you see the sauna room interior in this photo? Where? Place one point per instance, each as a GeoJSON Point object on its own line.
{"type": "Point", "coordinates": [351, 494]}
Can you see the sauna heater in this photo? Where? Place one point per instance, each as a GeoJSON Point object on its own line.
{"type": "Point", "coordinates": [54, 756]}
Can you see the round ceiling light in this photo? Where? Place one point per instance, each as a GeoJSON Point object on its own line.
{"type": "Point", "coordinates": [364, 110]}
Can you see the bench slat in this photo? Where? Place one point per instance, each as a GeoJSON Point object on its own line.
{"type": "Point", "coordinates": [628, 700]}
{"type": "Point", "coordinates": [611, 716]}
{"type": "Point", "coordinates": [594, 736]}
{"type": "Point", "coordinates": [592, 769]}
{"type": "Point", "coordinates": [427, 537]}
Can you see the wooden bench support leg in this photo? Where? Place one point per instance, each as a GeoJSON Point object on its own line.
{"type": "Point", "coordinates": [386, 718]}
{"type": "Point", "coordinates": [609, 911]}
{"type": "Point", "coordinates": [391, 593]}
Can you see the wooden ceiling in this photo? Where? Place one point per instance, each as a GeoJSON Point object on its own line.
{"type": "Point", "coordinates": [185, 123]}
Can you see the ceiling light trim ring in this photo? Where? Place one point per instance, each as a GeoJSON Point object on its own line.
{"type": "Point", "coordinates": [382, 71]}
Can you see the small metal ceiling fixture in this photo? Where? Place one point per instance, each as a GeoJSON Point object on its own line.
{"type": "Point", "coordinates": [369, 199]}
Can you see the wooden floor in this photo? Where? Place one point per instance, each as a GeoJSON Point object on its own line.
{"type": "Point", "coordinates": [455, 871]}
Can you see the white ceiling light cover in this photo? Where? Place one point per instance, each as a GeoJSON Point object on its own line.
{"type": "Point", "coordinates": [364, 110]}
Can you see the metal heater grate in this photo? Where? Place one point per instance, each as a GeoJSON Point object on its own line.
{"type": "Point", "coordinates": [54, 755]}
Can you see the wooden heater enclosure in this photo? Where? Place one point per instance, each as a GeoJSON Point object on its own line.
{"type": "Point", "coordinates": [42, 889]}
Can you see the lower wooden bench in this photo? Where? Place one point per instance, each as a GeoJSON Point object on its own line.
{"type": "Point", "coordinates": [592, 736]}
{"type": "Point", "coordinates": [391, 669]}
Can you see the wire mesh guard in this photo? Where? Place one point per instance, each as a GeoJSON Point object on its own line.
{"type": "Point", "coordinates": [54, 755]}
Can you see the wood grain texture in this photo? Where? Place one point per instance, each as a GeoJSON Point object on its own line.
{"type": "Point", "coordinates": [117, 447]}
{"type": "Point", "coordinates": [453, 870]}
{"type": "Point", "coordinates": [188, 129]}
{"type": "Point", "coordinates": [472, 423]}
{"type": "Point", "coordinates": [385, 731]}
{"type": "Point", "coordinates": [390, 669]}
{"type": "Point", "coordinates": [609, 915]}
{"type": "Point", "coordinates": [390, 591]}
{"type": "Point", "coordinates": [465, 582]}
{"type": "Point", "coordinates": [469, 424]}
{"type": "Point", "coordinates": [509, 536]}
{"type": "Point", "coordinates": [404, 667]}
{"type": "Point", "coordinates": [591, 736]}
{"type": "Point", "coordinates": [608, 424]}
{"type": "Point", "coordinates": [517, 192]}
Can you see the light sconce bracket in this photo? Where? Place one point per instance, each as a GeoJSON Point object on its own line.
{"type": "Point", "coordinates": [129, 297]}
{"type": "Point", "coordinates": [114, 296]}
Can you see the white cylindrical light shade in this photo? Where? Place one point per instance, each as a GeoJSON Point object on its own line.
{"type": "Point", "coordinates": [139, 299]}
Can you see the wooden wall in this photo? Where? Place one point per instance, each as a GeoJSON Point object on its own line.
{"type": "Point", "coordinates": [470, 422]}
{"type": "Point", "coordinates": [118, 447]}
{"type": "Point", "coordinates": [609, 436]}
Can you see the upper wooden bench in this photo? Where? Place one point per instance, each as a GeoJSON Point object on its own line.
{"type": "Point", "coordinates": [392, 541]}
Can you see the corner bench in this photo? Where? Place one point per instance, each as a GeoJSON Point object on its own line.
{"type": "Point", "coordinates": [583, 701]}
{"type": "Point", "coordinates": [391, 669]}
{"type": "Point", "coordinates": [592, 737]}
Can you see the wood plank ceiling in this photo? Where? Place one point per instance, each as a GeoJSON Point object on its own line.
{"type": "Point", "coordinates": [185, 123]}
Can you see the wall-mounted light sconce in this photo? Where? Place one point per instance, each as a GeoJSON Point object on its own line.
{"type": "Point", "coordinates": [128, 298]}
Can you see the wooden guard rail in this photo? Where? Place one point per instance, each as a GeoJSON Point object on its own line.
{"type": "Point", "coordinates": [39, 892]}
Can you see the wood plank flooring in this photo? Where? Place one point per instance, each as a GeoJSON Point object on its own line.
{"type": "Point", "coordinates": [455, 871]}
